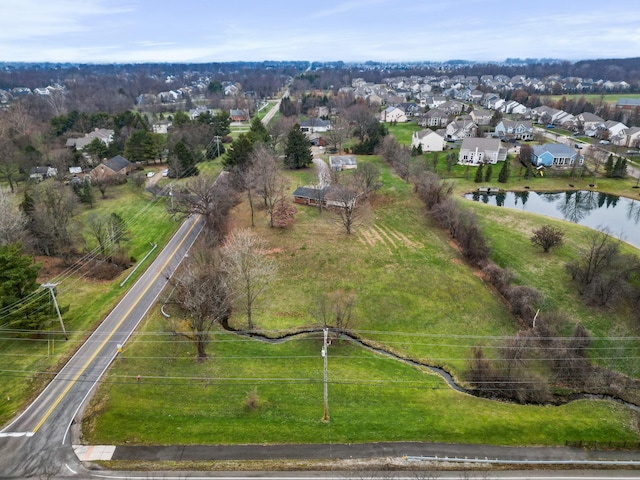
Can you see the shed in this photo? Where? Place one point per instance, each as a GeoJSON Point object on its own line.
{"type": "Point", "coordinates": [342, 162]}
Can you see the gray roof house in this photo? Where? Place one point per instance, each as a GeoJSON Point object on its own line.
{"type": "Point", "coordinates": [476, 151]}
{"type": "Point", "coordinates": [555, 155]}
{"type": "Point", "coordinates": [117, 165]}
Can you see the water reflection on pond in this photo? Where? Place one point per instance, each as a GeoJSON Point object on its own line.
{"type": "Point", "coordinates": [620, 215]}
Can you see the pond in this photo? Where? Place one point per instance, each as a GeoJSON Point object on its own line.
{"type": "Point", "coordinates": [619, 215]}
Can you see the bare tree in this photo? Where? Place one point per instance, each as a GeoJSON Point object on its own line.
{"type": "Point", "coordinates": [367, 177]}
{"type": "Point", "coordinates": [12, 221]}
{"type": "Point", "coordinates": [9, 167]}
{"type": "Point", "coordinates": [338, 132]}
{"type": "Point", "coordinates": [50, 220]}
{"type": "Point", "coordinates": [203, 293]}
{"type": "Point", "coordinates": [266, 179]}
{"type": "Point", "coordinates": [335, 309]}
{"type": "Point", "coordinates": [279, 131]}
{"type": "Point", "coordinates": [249, 269]}
{"type": "Point", "coordinates": [447, 214]}
{"type": "Point", "coordinates": [349, 209]}
{"type": "Point", "coordinates": [547, 237]}
{"type": "Point", "coordinates": [108, 231]}
{"type": "Point", "coordinates": [210, 197]}
{"type": "Point", "coordinates": [102, 181]}
{"type": "Point", "coordinates": [284, 213]}
{"type": "Point", "coordinates": [361, 116]}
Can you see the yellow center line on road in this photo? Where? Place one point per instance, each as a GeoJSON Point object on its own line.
{"type": "Point", "coordinates": [124, 317]}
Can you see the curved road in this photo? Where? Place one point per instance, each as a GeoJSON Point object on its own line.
{"type": "Point", "coordinates": [37, 442]}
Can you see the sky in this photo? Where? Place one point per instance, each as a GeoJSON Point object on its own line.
{"type": "Point", "coordinates": [123, 31]}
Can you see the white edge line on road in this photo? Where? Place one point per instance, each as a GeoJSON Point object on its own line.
{"type": "Point", "coordinates": [6, 429]}
{"type": "Point", "coordinates": [66, 432]}
{"type": "Point", "coordinates": [70, 469]}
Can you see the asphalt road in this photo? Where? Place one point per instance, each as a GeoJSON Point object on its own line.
{"type": "Point", "coordinates": [37, 443]}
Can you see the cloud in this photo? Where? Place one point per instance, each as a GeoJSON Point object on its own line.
{"type": "Point", "coordinates": [36, 18]}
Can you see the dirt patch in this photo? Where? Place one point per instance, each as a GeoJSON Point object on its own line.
{"type": "Point", "coordinates": [95, 269]}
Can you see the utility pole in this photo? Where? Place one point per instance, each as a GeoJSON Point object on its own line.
{"type": "Point", "coordinates": [171, 196]}
{"type": "Point", "coordinates": [51, 286]}
{"type": "Point", "coordinates": [325, 356]}
{"type": "Point", "coordinates": [217, 139]}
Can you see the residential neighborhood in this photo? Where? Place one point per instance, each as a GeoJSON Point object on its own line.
{"type": "Point", "coordinates": [242, 263]}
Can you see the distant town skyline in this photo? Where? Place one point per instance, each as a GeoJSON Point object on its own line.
{"type": "Point", "coordinates": [139, 31]}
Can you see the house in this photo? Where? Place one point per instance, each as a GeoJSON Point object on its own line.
{"type": "Point", "coordinates": [75, 170]}
{"type": "Point", "coordinates": [460, 128]}
{"type": "Point", "coordinates": [481, 116]}
{"type": "Point", "coordinates": [411, 109]}
{"type": "Point", "coordinates": [342, 162]}
{"type": "Point", "coordinates": [314, 125]}
{"type": "Point", "coordinates": [518, 129]}
{"type": "Point", "coordinates": [105, 135]}
{"type": "Point", "coordinates": [40, 173]}
{"type": "Point", "coordinates": [436, 101]}
{"type": "Point", "coordinates": [310, 195]}
{"type": "Point", "coordinates": [194, 113]}
{"type": "Point", "coordinates": [115, 166]}
{"type": "Point", "coordinates": [453, 107]}
{"type": "Point", "coordinates": [162, 126]}
{"type": "Point", "coordinates": [555, 155]}
{"type": "Point", "coordinates": [590, 121]}
{"type": "Point", "coordinates": [429, 140]}
{"type": "Point", "coordinates": [614, 128]}
{"type": "Point", "coordinates": [476, 151]}
{"type": "Point", "coordinates": [434, 118]}
{"type": "Point", "coordinates": [238, 115]}
{"type": "Point", "coordinates": [393, 114]}
{"type": "Point", "coordinates": [632, 137]}
{"type": "Point", "coordinates": [513, 107]}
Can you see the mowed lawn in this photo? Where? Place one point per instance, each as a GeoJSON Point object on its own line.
{"type": "Point", "coordinates": [415, 298]}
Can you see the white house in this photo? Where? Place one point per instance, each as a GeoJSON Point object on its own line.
{"type": "Point", "coordinates": [393, 114]}
{"type": "Point", "coordinates": [429, 140]}
{"type": "Point", "coordinates": [476, 151]}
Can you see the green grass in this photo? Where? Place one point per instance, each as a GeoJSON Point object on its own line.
{"type": "Point", "coordinates": [593, 98]}
{"type": "Point", "coordinates": [403, 131]}
{"type": "Point", "coordinates": [25, 360]}
{"type": "Point", "coordinates": [416, 298]}
{"type": "Point", "coordinates": [371, 398]}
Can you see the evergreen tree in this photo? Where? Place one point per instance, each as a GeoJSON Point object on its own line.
{"type": "Point", "coordinates": [142, 146]}
{"type": "Point", "coordinates": [287, 107]}
{"type": "Point", "coordinates": [489, 173]}
{"type": "Point", "coordinates": [478, 178]}
{"type": "Point", "coordinates": [608, 167]}
{"type": "Point", "coordinates": [503, 176]}
{"type": "Point", "coordinates": [620, 168]}
{"type": "Point", "coordinates": [239, 153]}
{"type": "Point", "coordinates": [258, 132]}
{"type": "Point", "coordinates": [18, 280]}
{"type": "Point", "coordinates": [298, 150]}
{"type": "Point", "coordinates": [183, 163]}
{"type": "Point", "coordinates": [180, 118]}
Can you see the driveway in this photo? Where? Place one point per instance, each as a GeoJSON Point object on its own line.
{"type": "Point", "coordinates": [323, 171]}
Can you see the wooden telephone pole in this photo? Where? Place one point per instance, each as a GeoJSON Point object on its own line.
{"type": "Point", "coordinates": [325, 356]}
{"type": "Point", "coordinates": [51, 286]}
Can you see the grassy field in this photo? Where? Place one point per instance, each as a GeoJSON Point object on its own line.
{"type": "Point", "coordinates": [416, 298]}
{"type": "Point", "coordinates": [25, 361]}
{"type": "Point", "coordinates": [593, 98]}
{"type": "Point", "coordinates": [403, 131]}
